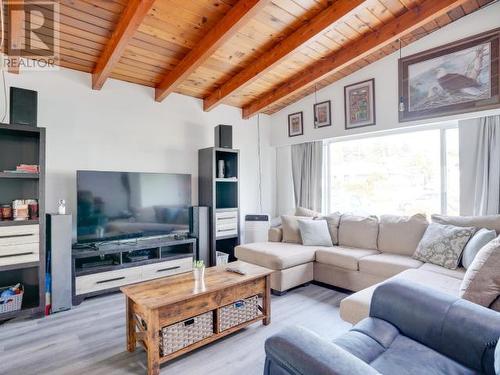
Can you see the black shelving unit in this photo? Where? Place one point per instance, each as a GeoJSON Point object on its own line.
{"type": "Point", "coordinates": [23, 145]}
{"type": "Point", "coordinates": [221, 195]}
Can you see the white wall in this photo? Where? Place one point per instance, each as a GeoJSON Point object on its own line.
{"type": "Point", "coordinates": [385, 72]}
{"type": "Point", "coordinates": [122, 128]}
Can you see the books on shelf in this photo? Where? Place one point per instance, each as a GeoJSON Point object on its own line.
{"type": "Point", "coordinates": [25, 168]}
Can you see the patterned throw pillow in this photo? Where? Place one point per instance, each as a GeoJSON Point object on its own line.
{"type": "Point", "coordinates": [443, 244]}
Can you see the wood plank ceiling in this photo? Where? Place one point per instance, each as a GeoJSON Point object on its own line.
{"type": "Point", "coordinates": [257, 55]}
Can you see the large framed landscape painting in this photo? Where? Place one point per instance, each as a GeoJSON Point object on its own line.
{"type": "Point", "coordinates": [359, 101]}
{"type": "Point", "coordinates": [456, 78]}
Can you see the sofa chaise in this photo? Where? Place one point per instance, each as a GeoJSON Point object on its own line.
{"type": "Point", "coordinates": [410, 330]}
{"type": "Point", "coordinates": [368, 251]}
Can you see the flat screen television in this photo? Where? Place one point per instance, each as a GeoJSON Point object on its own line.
{"type": "Point", "coordinates": [123, 205]}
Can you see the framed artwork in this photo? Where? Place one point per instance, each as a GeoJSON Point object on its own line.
{"type": "Point", "coordinates": [295, 124]}
{"type": "Point", "coordinates": [359, 101]}
{"type": "Point", "coordinates": [322, 114]}
{"type": "Point", "coordinates": [459, 77]}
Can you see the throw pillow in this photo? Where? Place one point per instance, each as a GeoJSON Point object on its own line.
{"type": "Point", "coordinates": [358, 231]}
{"type": "Point", "coordinates": [333, 221]}
{"type": "Point", "coordinates": [301, 211]}
{"type": "Point", "coordinates": [315, 233]}
{"type": "Point", "coordinates": [443, 245]}
{"type": "Point", "coordinates": [481, 283]}
{"type": "Point", "coordinates": [491, 222]}
{"type": "Point", "coordinates": [476, 243]}
{"type": "Point", "coordinates": [290, 226]}
{"type": "Point", "coordinates": [401, 234]}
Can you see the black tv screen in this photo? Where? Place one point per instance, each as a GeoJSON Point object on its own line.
{"type": "Point", "coordinates": [120, 205]}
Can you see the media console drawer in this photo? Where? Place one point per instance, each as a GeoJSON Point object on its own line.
{"type": "Point", "coordinates": [112, 279]}
{"type": "Point", "coordinates": [106, 280]}
{"type": "Point", "coordinates": [168, 268]}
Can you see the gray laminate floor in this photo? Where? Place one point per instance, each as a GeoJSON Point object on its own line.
{"type": "Point", "coordinates": [90, 339]}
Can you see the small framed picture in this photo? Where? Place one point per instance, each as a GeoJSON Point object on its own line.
{"type": "Point", "coordinates": [359, 101]}
{"type": "Point", "coordinates": [322, 114]}
{"type": "Point", "coordinates": [295, 124]}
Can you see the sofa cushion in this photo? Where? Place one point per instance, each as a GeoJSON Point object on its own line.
{"type": "Point", "coordinates": [423, 360]}
{"type": "Point", "coordinates": [443, 244]}
{"type": "Point", "coordinates": [358, 231]}
{"type": "Point", "coordinates": [290, 228]}
{"type": "Point", "coordinates": [315, 233]}
{"type": "Point", "coordinates": [481, 283]}
{"type": "Point", "coordinates": [343, 257]}
{"type": "Point", "coordinates": [401, 234]}
{"type": "Point", "coordinates": [275, 255]}
{"type": "Point", "coordinates": [458, 273]}
{"type": "Point", "coordinates": [301, 211]}
{"type": "Point", "coordinates": [476, 243]}
{"type": "Point", "coordinates": [356, 307]}
{"type": "Point", "coordinates": [387, 264]}
{"type": "Point", "coordinates": [487, 221]}
{"type": "Point", "coordinates": [275, 234]}
{"type": "Point", "coordinates": [333, 221]}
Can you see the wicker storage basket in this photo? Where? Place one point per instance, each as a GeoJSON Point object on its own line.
{"type": "Point", "coordinates": [11, 303]}
{"type": "Point", "coordinates": [185, 333]}
{"type": "Point", "coordinates": [238, 313]}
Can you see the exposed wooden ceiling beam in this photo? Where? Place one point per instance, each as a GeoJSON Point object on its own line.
{"type": "Point", "coordinates": [353, 52]}
{"type": "Point", "coordinates": [16, 35]}
{"type": "Point", "coordinates": [130, 20]}
{"type": "Point", "coordinates": [303, 35]}
{"type": "Point", "coordinates": [227, 27]}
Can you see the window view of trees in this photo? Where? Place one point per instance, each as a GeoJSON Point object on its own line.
{"type": "Point", "coordinates": [398, 174]}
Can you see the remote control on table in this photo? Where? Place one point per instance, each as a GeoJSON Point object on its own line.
{"type": "Point", "coordinates": [236, 270]}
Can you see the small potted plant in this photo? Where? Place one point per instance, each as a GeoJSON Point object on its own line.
{"type": "Point", "coordinates": [198, 270]}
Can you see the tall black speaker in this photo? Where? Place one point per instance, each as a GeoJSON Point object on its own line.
{"type": "Point", "coordinates": [59, 233]}
{"type": "Point", "coordinates": [23, 106]}
{"type": "Point", "coordinates": [224, 136]}
{"type": "Point", "coordinates": [200, 229]}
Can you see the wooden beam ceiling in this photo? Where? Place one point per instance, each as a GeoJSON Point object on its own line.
{"type": "Point", "coordinates": [298, 38]}
{"type": "Point", "coordinates": [130, 20]}
{"type": "Point", "coordinates": [354, 51]}
{"type": "Point", "coordinates": [16, 34]}
{"type": "Point", "coordinates": [226, 28]}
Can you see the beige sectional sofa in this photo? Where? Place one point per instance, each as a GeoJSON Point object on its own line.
{"type": "Point", "coordinates": [363, 258]}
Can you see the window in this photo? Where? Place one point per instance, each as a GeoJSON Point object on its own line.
{"type": "Point", "coordinates": [403, 173]}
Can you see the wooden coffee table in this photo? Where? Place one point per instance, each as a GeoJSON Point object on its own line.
{"type": "Point", "coordinates": [155, 304]}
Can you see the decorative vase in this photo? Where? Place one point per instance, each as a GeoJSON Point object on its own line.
{"type": "Point", "coordinates": [222, 172]}
{"type": "Point", "coordinates": [61, 207]}
{"type": "Point", "coordinates": [199, 273]}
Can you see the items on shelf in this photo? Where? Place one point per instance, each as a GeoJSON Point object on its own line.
{"type": "Point", "coordinates": [20, 210]}
{"type": "Point", "coordinates": [11, 298]}
{"type": "Point", "coordinates": [6, 212]}
{"type": "Point", "coordinates": [25, 209]}
{"type": "Point", "coordinates": [25, 168]}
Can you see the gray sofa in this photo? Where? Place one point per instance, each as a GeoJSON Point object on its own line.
{"type": "Point", "coordinates": [369, 251]}
{"type": "Point", "coordinates": [411, 330]}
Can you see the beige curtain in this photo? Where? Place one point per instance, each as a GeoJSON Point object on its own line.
{"type": "Point", "coordinates": [307, 172]}
{"type": "Point", "coordinates": [480, 166]}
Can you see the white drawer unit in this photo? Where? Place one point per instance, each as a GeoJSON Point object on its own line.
{"type": "Point", "coordinates": [19, 244]}
{"type": "Point", "coordinates": [168, 268]}
{"type": "Point", "coordinates": [226, 223]}
{"type": "Point", "coordinates": [106, 280]}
